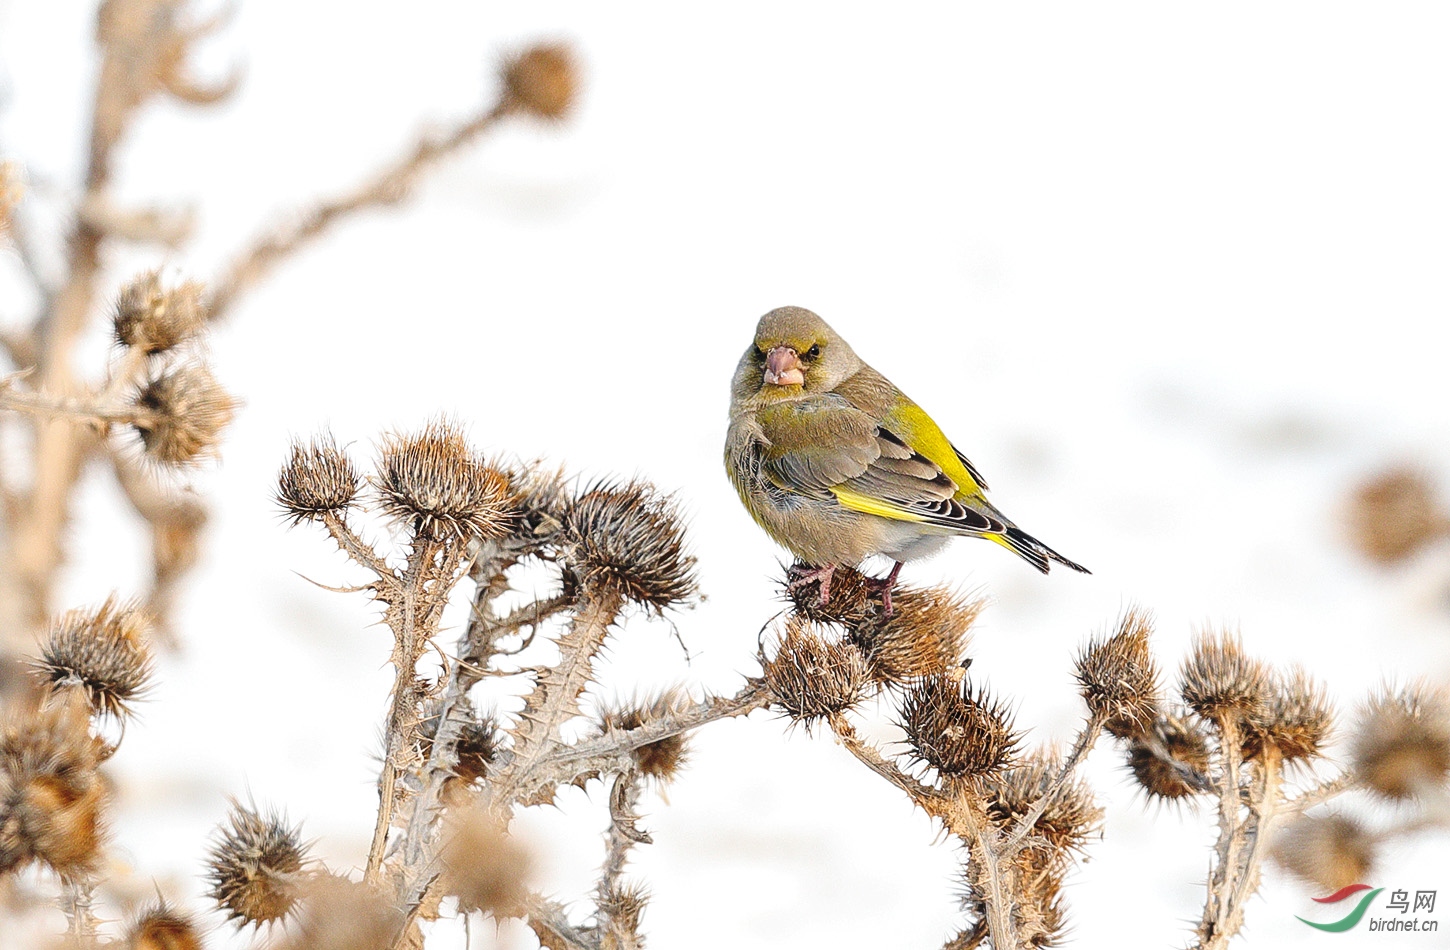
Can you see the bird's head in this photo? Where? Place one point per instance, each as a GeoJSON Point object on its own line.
{"type": "Point", "coordinates": [794, 351]}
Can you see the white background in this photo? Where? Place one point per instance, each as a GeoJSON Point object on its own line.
{"type": "Point", "coordinates": [1173, 276]}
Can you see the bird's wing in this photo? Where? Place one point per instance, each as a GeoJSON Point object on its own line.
{"type": "Point", "coordinates": [905, 485]}
{"type": "Point", "coordinates": [826, 446]}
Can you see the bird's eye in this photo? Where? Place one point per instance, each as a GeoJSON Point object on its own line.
{"type": "Point", "coordinates": [813, 352]}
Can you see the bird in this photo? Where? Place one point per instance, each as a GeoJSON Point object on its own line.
{"type": "Point", "coordinates": [836, 464]}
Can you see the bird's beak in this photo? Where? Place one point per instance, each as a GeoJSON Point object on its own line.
{"type": "Point", "coordinates": [783, 367]}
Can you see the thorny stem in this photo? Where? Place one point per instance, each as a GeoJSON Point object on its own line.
{"type": "Point", "coordinates": [622, 836]}
{"type": "Point", "coordinates": [1084, 743]}
{"type": "Point", "coordinates": [989, 880]}
{"type": "Point", "coordinates": [555, 696]}
{"type": "Point", "coordinates": [75, 901]}
{"type": "Point", "coordinates": [565, 764]}
{"type": "Point", "coordinates": [492, 559]}
{"type": "Point", "coordinates": [922, 794]}
{"type": "Point", "coordinates": [1321, 793]}
{"type": "Point", "coordinates": [548, 919]}
{"type": "Point", "coordinates": [1216, 926]}
{"type": "Point", "coordinates": [412, 623]}
{"type": "Point", "coordinates": [356, 548]}
{"type": "Point", "coordinates": [386, 187]}
{"type": "Point", "coordinates": [1264, 810]}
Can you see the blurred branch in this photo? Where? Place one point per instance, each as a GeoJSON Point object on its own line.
{"type": "Point", "coordinates": [387, 187]}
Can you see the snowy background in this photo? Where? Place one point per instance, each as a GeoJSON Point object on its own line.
{"type": "Point", "coordinates": [1172, 276]}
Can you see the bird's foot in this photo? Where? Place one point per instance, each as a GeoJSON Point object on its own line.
{"type": "Point", "coordinates": [884, 585]}
{"type": "Point", "coordinates": [800, 576]}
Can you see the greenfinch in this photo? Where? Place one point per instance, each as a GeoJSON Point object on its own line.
{"type": "Point", "coordinates": [837, 464]}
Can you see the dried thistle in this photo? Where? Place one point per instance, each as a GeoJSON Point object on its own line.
{"type": "Point", "coordinates": [483, 866]}
{"type": "Point", "coordinates": [660, 760]}
{"type": "Point", "coordinates": [339, 914]}
{"type": "Point", "coordinates": [1297, 722]}
{"type": "Point", "coordinates": [629, 540]}
{"type": "Point", "coordinates": [155, 318]}
{"type": "Point", "coordinates": [162, 927]}
{"type": "Point", "coordinates": [318, 478]}
{"type": "Point", "coordinates": [855, 601]}
{"type": "Point", "coordinates": [255, 866]}
{"type": "Point", "coordinates": [926, 634]}
{"type": "Point", "coordinates": [1332, 851]}
{"type": "Point", "coordinates": [956, 730]}
{"type": "Point", "coordinates": [541, 495]}
{"type": "Point", "coordinates": [102, 652]}
{"type": "Point", "coordinates": [433, 482]}
{"type": "Point", "coordinates": [1118, 677]}
{"type": "Point", "coordinates": [1168, 763]}
{"type": "Point", "coordinates": [1219, 681]}
{"type": "Point", "coordinates": [1401, 744]}
{"type": "Point", "coordinates": [622, 904]}
{"type": "Point", "coordinates": [1394, 514]}
{"type": "Point", "coordinates": [475, 748]}
{"type": "Point", "coordinates": [181, 413]}
{"type": "Point", "coordinates": [543, 80]}
{"type": "Point", "coordinates": [811, 678]}
{"type": "Point", "coordinates": [1069, 819]}
{"type": "Point", "coordinates": [51, 796]}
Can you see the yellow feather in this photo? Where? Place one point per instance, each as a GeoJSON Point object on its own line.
{"type": "Point", "coordinates": [912, 425]}
{"type": "Point", "coordinates": [873, 506]}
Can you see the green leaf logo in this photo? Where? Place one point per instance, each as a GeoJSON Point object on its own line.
{"type": "Point", "coordinates": [1349, 920]}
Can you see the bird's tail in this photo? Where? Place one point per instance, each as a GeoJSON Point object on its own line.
{"type": "Point", "coordinates": [1033, 551]}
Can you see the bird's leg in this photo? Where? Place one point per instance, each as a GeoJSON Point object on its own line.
{"type": "Point", "coordinates": [885, 584]}
{"type": "Point", "coordinates": [801, 576]}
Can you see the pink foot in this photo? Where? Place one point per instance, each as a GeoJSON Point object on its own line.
{"type": "Point", "coordinates": [801, 576]}
{"type": "Point", "coordinates": [885, 584]}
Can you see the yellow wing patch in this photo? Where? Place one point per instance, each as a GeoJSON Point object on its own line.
{"type": "Point", "coordinates": [874, 506]}
{"type": "Point", "coordinates": [919, 431]}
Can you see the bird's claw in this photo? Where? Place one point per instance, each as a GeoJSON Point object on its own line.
{"type": "Point", "coordinates": [801, 576]}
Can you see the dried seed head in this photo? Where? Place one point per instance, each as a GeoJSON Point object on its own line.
{"type": "Point", "coordinates": [318, 478]}
{"type": "Point", "coordinates": [156, 318]}
{"type": "Point", "coordinates": [103, 653]}
{"type": "Point", "coordinates": [1332, 851]}
{"type": "Point", "coordinates": [622, 904]}
{"type": "Point", "coordinates": [433, 482]}
{"type": "Point", "coordinates": [1118, 677]}
{"type": "Point", "coordinates": [1297, 721]}
{"type": "Point", "coordinates": [51, 796]}
{"type": "Point", "coordinates": [542, 80]}
{"type": "Point", "coordinates": [629, 541]}
{"type": "Point", "coordinates": [662, 759]}
{"type": "Point", "coordinates": [1170, 761]}
{"type": "Point", "coordinates": [1219, 681]}
{"type": "Point", "coordinates": [855, 601]}
{"type": "Point", "coordinates": [956, 730]}
{"type": "Point", "coordinates": [925, 635]}
{"type": "Point", "coordinates": [811, 678]}
{"type": "Point", "coordinates": [542, 495]}
{"type": "Point", "coordinates": [1401, 744]}
{"type": "Point", "coordinates": [1394, 514]}
{"type": "Point", "coordinates": [162, 927]}
{"type": "Point", "coordinates": [339, 914]}
{"type": "Point", "coordinates": [181, 413]}
{"type": "Point", "coordinates": [475, 749]}
{"type": "Point", "coordinates": [255, 866]}
{"type": "Point", "coordinates": [1067, 822]}
{"type": "Point", "coordinates": [483, 866]}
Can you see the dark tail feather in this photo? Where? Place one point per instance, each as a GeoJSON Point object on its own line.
{"type": "Point", "coordinates": [1036, 553]}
